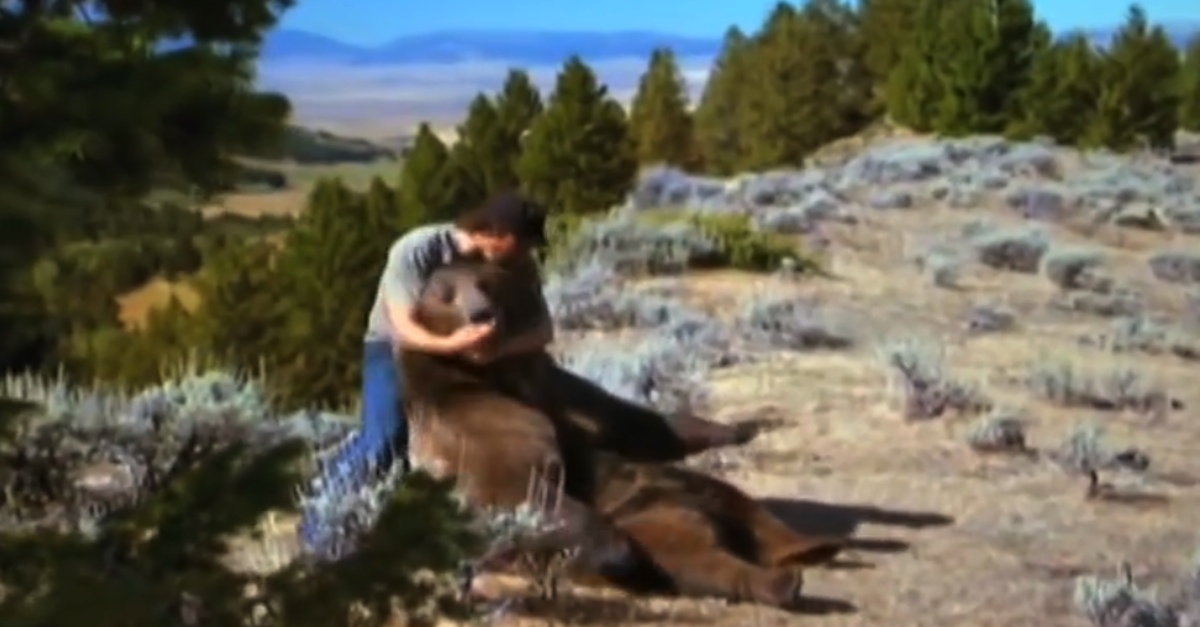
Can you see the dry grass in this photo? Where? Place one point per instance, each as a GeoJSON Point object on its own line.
{"type": "Point", "coordinates": [254, 204]}
{"type": "Point", "coordinates": [944, 536]}
{"type": "Point", "coordinates": [134, 307]}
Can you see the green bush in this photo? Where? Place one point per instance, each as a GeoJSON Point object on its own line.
{"type": "Point", "coordinates": [736, 243]}
{"type": "Point", "coordinates": [740, 245]}
{"type": "Point", "coordinates": [161, 563]}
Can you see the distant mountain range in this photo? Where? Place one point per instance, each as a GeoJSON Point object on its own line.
{"type": "Point", "coordinates": [518, 47]}
{"type": "Point", "coordinates": [535, 48]}
{"type": "Point", "coordinates": [1179, 32]}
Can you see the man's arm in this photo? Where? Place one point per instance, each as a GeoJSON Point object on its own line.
{"type": "Point", "coordinates": [402, 284]}
{"type": "Point", "coordinates": [411, 334]}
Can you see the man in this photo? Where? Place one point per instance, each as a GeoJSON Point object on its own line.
{"type": "Point", "coordinates": [506, 227]}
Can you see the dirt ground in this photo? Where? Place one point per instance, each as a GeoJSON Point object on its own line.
{"type": "Point", "coordinates": [942, 535]}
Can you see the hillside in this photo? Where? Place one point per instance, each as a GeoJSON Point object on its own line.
{"type": "Point", "coordinates": [946, 268]}
{"type": "Point", "coordinates": [998, 318]}
{"type": "Point", "coordinates": [307, 154]}
{"type": "Point", "coordinates": [996, 322]}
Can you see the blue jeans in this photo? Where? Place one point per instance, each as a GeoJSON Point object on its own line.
{"type": "Point", "coordinates": [370, 453]}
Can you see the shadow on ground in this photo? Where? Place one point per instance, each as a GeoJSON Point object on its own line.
{"type": "Point", "coordinates": [576, 609]}
{"type": "Point", "coordinates": [843, 520]}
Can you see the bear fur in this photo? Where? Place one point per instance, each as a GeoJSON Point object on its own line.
{"type": "Point", "coordinates": [631, 519]}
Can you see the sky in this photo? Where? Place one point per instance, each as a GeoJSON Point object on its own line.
{"type": "Point", "coordinates": [376, 21]}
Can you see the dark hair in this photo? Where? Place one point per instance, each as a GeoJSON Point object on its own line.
{"type": "Point", "coordinates": [507, 213]}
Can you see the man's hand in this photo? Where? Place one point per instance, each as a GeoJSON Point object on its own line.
{"type": "Point", "coordinates": [469, 338]}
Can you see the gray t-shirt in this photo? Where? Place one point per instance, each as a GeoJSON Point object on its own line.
{"type": "Point", "coordinates": [411, 261]}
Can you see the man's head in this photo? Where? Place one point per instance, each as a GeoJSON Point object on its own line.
{"type": "Point", "coordinates": [503, 225]}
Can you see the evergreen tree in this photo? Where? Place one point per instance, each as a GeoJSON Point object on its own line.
{"type": "Point", "coordinates": [801, 94]}
{"type": "Point", "coordinates": [383, 205]}
{"type": "Point", "coordinates": [1060, 98]}
{"type": "Point", "coordinates": [93, 95]}
{"type": "Point", "coordinates": [432, 186]}
{"type": "Point", "coordinates": [1018, 40]}
{"type": "Point", "coordinates": [772, 63]}
{"type": "Point", "coordinates": [961, 66]}
{"type": "Point", "coordinates": [241, 305]}
{"type": "Point", "coordinates": [25, 338]}
{"type": "Point", "coordinates": [914, 90]}
{"type": "Point", "coordinates": [854, 103]}
{"type": "Point", "coordinates": [518, 104]}
{"type": "Point", "coordinates": [718, 134]}
{"type": "Point", "coordinates": [329, 268]}
{"type": "Point", "coordinates": [1189, 92]}
{"type": "Point", "coordinates": [482, 154]}
{"type": "Point", "coordinates": [1139, 97]}
{"type": "Point", "coordinates": [94, 111]}
{"type": "Point", "coordinates": [985, 55]}
{"type": "Point", "coordinates": [887, 26]}
{"type": "Point", "coordinates": [659, 120]}
{"type": "Point", "coordinates": [578, 156]}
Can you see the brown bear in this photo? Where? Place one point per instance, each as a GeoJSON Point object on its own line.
{"type": "Point", "coordinates": [638, 526]}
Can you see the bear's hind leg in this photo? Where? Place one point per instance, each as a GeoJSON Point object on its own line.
{"type": "Point", "coordinates": [686, 548]}
{"type": "Point", "coordinates": [778, 545]}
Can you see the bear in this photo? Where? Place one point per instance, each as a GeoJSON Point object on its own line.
{"type": "Point", "coordinates": [637, 432]}
{"type": "Point", "coordinates": [637, 523]}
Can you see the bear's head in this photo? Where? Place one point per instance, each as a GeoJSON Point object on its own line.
{"type": "Point", "coordinates": [475, 292]}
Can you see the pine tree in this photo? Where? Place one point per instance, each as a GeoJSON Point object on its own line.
{"type": "Point", "coordinates": [1139, 98]}
{"type": "Point", "coordinates": [482, 154]}
{"type": "Point", "coordinates": [659, 120]}
{"type": "Point", "coordinates": [518, 104]}
{"type": "Point", "coordinates": [886, 26]}
{"type": "Point", "coordinates": [1189, 92]}
{"type": "Point", "coordinates": [962, 69]}
{"type": "Point", "coordinates": [771, 63]}
{"type": "Point", "coordinates": [718, 135]}
{"type": "Point", "coordinates": [854, 103]}
{"type": "Point", "coordinates": [1060, 98]}
{"type": "Point", "coordinates": [578, 156]}
{"type": "Point", "coordinates": [383, 206]}
{"type": "Point", "coordinates": [1019, 38]}
{"type": "Point", "coordinates": [241, 305]}
{"type": "Point", "coordinates": [985, 54]}
{"type": "Point", "coordinates": [329, 267]}
{"type": "Point", "coordinates": [914, 90]}
{"type": "Point", "coordinates": [155, 116]}
{"type": "Point", "coordinates": [93, 108]}
{"type": "Point", "coordinates": [25, 336]}
{"type": "Point", "coordinates": [432, 186]}
{"type": "Point", "coordinates": [799, 98]}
